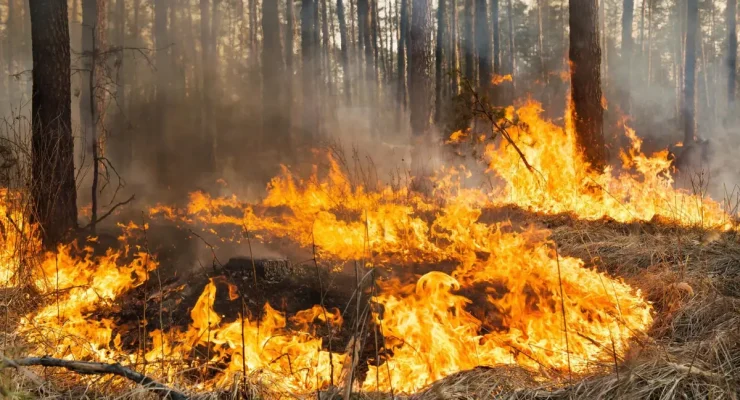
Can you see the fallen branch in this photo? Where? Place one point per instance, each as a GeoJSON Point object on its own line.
{"type": "Point", "coordinates": [94, 368]}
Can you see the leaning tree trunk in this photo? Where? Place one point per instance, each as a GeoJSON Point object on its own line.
{"type": "Point", "coordinates": [53, 188]}
{"type": "Point", "coordinates": [419, 69]}
{"type": "Point", "coordinates": [585, 60]}
{"type": "Point", "coordinates": [689, 91]}
{"type": "Point", "coordinates": [731, 58]}
{"type": "Point", "coordinates": [627, 17]}
{"type": "Point", "coordinates": [439, 59]}
{"type": "Point", "coordinates": [468, 41]}
{"type": "Point", "coordinates": [483, 45]}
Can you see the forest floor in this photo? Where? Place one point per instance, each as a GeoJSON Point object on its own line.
{"type": "Point", "coordinates": [691, 276]}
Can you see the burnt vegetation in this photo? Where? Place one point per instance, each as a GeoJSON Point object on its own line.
{"type": "Point", "coordinates": [423, 199]}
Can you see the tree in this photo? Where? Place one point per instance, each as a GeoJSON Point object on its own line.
{"type": "Point", "coordinates": [273, 111]}
{"type": "Point", "coordinates": [512, 48]}
{"type": "Point", "coordinates": [689, 91]}
{"type": "Point", "coordinates": [93, 39]}
{"type": "Point", "coordinates": [419, 69]}
{"type": "Point", "coordinates": [468, 41]}
{"type": "Point", "coordinates": [308, 48]}
{"type": "Point", "coordinates": [402, 41]}
{"type": "Point", "coordinates": [439, 59]}
{"type": "Point", "coordinates": [496, 38]}
{"type": "Point", "coordinates": [53, 179]}
{"type": "Point", "coordinates": [585, 60]}
{"type": "Point", "coordinates": [454, 83]}
{"type": "Point", "coordinates": [627, 18]}
{"type": "Point", "coordinates": [483, 45]}
{"type": "Point", "coordinates": [345, 51]}
{"type": "Point", "coordinates": [731, 59]}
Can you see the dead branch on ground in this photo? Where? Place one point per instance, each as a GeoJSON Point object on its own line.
{"type": "Point", "coordinates": [95, 368]}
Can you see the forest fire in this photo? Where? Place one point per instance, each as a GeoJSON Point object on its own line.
{"type": "Point", "coordinates": [511, 298]}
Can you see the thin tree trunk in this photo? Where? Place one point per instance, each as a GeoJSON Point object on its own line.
{"type": "Point", "coordinates": [419, 71]}
{"type": "Point", "coordinates": [496, 38]}
{"type": "Point", "coordinates": [512, 48]}
{"type": "Point", "coordinates": [345, 51]}
{"type": "Point", "coordinates": [650, 44]}
{"type": "Point", "coordinates": [689, 103]}
{"type": "Point", "coordinates": [627, 18]}
{"type": "Point", "coordinates": [308, 46]}
{"type": "Point", "coordinates": [454, 67]}
{"type": "Point", "coordinates": [325, 50]}
{"type": "Point", "coordinates": [438, 60]}
{"type": "Point", "coordinates": [540, 43]}
{"type": "Point", "coordinates": [731, 57]}
{"type": "Point", "coordinates": [275, 125]}
{"type": "Point", "coordinates": [11, 27]}
{"type": "Point", "coordinates": [289, 37]}
{"type": "Point", "coordinates": [469, 41]}
{"type": "Point", "coordinates": [483, 45]}
{"type": "Point", "coordinates": [404, 27]}
{"type": "Point", "coordinates": [206, 53]}
{"type": "Point", "coordinates": [585, 58]}
{"type": "Point", "coordinates": [53, 187]}
{"type": "Point", "coordinates": [93, 31]}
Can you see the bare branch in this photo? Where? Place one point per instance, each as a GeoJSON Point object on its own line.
{"type": "Point", "coordinates": [94, 368]}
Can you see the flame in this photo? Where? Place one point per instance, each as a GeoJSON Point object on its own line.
{"type": "Point", "coordinates": [499, 79]}
{"type": "Point", "coordinates": [563, 181]}
{"type": "Point", "coordinates": [510, 297]}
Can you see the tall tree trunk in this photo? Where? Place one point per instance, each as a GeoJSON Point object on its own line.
{"type": "Point", "coordinates": [93, 38]}
{"type": "Point", "coordinates": [364, 23]}
{"type": "Point", "coordinates": [585, 59]}
{"type": "Point", "coordinates": [53, 187]}
{"type": "Point", "coordinates": [439, 59]}
{"type": "Point", "coordinates": [275, 124]}
{"type": "Point", "coordinates": [326, 49]}
{"type": "Point", "coordinates": [206, 53]}
{"type": "Point", "coordinates": [402, 41]}
{"type": "Point", "coordinates": [469, 41]}
{"type": "Point", "coordinates": [289, 37]}
{"type": "Point", "coordinates": [341, 15]}
{"type": "Point", "coordinates": [11, 27]}
{"type": "Point", "coordinates": [627, 17]}
{"type": "Point", "coordinates": [419, 71]}
{"type": "Point", "coordinates": [496, 37]}
{"type": "Point", "coordinates": [512, 48]}
{"type": "Point", "coordinates": [541, 43]}
{"type": "Point", "coordinates": [375, 35]}
{"type": "Point", "coordinates": [308, 45]}
{"type": "Point", "coordinates": [120, 127]}
{"type": "Point", "coordinates": [731, 58]}
{"type": "Point", "coordinates": [454, 82]}
{"type": "Point", "coordinates": [689, 101]}
{"type": "Point", "coordinates": [483, 45]}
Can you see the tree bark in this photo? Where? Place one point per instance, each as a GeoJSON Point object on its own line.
{"type": "Point", "coordinates": [731, 58]}
{"type": "Point", "coordinates": [341, 15]}
{"type": "Point", "coordinates": [308, 46]}
{"type": "Point", "coordinates": [289, 37]}
{"type": "Point", "coordinates": [496, 38]}
{"type": "Point", "coordinates": [454, 80]}
{"type": "Point", "coordinates": [53, 181]}
{"type": "Point", "coordinates": [512, 48]}
{"type": "Point", "coordinates": [483, 45]}
{"type": "Point", "coordinates": [12, 32]}
{"type": "Point", "coordinates": [627, 18]}
{"type": "Point", "coordinates": [274, 122]}
{"type": "Point", "coordinates": [439, 59]}
{"type": "Point", "coordinates": [689, 101]}
{"type": "Point", "coordinates": [207, 85]}
{"type": "Point", "coordinates": [585, 59]}
{"type": "Point", "coordinates": [420, 68]}
{"type": "Point", "coordinates": [468, 41]}
{"type": "Point", "coordinates": [93, 39]}
{"type": "Point", "coordinates": [402, 41]}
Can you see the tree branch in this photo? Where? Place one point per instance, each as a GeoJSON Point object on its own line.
{"type": "Point", "coordinates": [123, 203]}
{"type": "Point", "coordinates": [94, 368]}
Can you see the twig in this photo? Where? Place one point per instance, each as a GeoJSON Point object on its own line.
{"type": "Point", "coordinates": [107, 214]}
{"type": "Point", "coordinates": [95, 368]}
